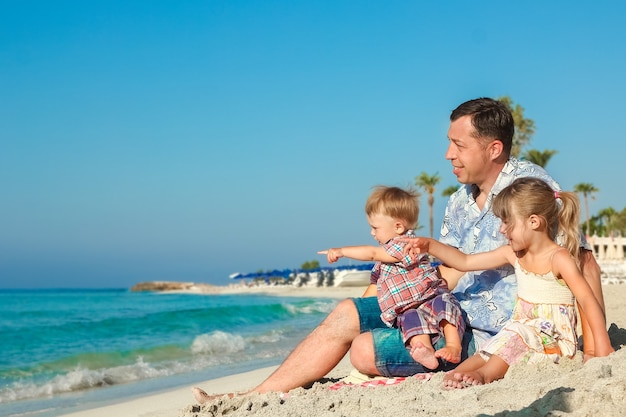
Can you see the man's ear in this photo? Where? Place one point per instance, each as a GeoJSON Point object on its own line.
{"type": "Point", "coordinates": [400, 229]}
{"type": "Point", "coordinates": [496, 149]}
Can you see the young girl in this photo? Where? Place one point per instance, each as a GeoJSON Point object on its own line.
{"type": "Point", "coordinates": [543, 323]}
{"type": "Point", "coordinates": [411, 294]}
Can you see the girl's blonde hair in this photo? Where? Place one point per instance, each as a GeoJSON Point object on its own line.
{"type": "Point", "coordinates": [528, 196]}
{"type": "Point", "coordinates": [394, 202]}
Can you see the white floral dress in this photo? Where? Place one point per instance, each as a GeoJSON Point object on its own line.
{"type": "Point", "coordinates": [543, 324]}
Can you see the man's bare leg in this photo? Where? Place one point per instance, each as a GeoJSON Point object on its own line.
{"type": "Point", "coordinates": [318, 353]}
{"type": "Point", "coordinates": [314, 357]}
{"type": "Point", "coordinates": [362, 355]}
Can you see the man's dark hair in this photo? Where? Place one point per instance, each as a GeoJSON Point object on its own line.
{"type": "Point", "coordinates": [492, 119]}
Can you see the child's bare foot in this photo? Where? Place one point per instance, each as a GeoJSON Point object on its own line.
{"type": "Point", "coordinates": [460, 380]}
{"type": "Point", "coordinates": [424, 376]}
{"type": "Point", "coordinates": [473, 378]}
{"type": "Point", "coordinates": [424, 355]}
{"type": "Point", "coordinates": [202, 397]}
{"type": "Point", "coordinates": [450, 354]}
{"type": "Point", "coordinates": [450, 382]}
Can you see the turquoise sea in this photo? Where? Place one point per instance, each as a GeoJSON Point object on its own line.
{"type": "Point", "coordinates": [65, 350]}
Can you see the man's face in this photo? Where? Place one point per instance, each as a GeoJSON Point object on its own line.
{"type": "Point", "coordinates": [469, 157]}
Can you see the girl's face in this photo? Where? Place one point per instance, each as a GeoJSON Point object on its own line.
{"type": "Point", "coordinates": [516, 231]}
{"type": "Point", "coordinates": [384, 228]}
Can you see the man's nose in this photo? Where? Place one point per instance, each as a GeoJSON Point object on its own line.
{"type": "Point", "coordinates": [450, 154]}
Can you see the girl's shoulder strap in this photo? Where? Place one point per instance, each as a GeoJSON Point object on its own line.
{"type": "Point", "coordinates": [554, 252]}
{"type": "Point", "coordinates": [555, 271]}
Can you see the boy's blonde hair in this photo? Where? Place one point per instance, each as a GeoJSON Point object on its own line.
{"type": "Point", "coordinates": [528, 196]}
{"type": "Point", "coordinates": [394, 202]}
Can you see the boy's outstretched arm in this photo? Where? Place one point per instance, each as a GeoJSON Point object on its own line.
{"type": "Point", "coordinates": [360, 253]}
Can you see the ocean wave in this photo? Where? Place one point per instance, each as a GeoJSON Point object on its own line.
{"type": "Point", "coordinates": [95, 344]}
{"type": "Point", "coordinates": [80, 379]}
{"type": "Point", "coordinates": [310, 307]}
{"type": "Point", "coordinates": [131, 332]}
{"type": "Point", "coordinates": [98, 370]}
{"type": "Point", "coordinates": [273, 336]}
{"type": "Point", "coordinates": [217, 343]}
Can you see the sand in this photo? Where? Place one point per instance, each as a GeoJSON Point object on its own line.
{"type": "Point", "coordinates": [569, 388]}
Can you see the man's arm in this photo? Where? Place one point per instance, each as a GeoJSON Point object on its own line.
{"type": "Point", "coordinates": [370, 291]}
{"type": "Point", "coordinates": [450, 275]}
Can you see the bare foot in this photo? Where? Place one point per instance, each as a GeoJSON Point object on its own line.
{"type": "Point", "coordinates": [450, 354]}
{"type": "Point", "coordinates": [450, 382]}
{"type": "Point", "coordinates": [472, 378]}
{"type": "Point", "coordinates": [460, 380]}
{"type": "Point", "coordinates": [202, 397]}
{"type": "Point", "coordinates": [424, 377]}
{"type": "Point", "coordinates": [424, 355]}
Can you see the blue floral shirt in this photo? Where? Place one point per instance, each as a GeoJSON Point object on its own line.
{"type": "Point", "coordinates": [486, 297]}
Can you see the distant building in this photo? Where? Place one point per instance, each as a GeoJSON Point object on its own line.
{"type": "Point", "coordinates": [608, 248]}
{"type": "Point", "coordinates": [609, 252]}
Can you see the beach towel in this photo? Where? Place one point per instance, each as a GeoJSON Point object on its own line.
{"type": "Point", "coordinates": [358, 379]}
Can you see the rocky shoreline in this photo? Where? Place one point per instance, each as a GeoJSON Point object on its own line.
{"type": "Point", "coordinates": [162, 286]}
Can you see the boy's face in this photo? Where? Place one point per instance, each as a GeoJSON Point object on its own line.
{"type": "Point", "coordinates": [385, 228]}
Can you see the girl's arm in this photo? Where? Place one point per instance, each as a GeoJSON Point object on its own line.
{"type": "Point", "coordinates": [591, 272]}
{"type": "Point", "coordinates": [565, 267]}
{"type": "Point", "coordinates": [456, 259]}
{"type": "Point", "coordinates": [361, 253]}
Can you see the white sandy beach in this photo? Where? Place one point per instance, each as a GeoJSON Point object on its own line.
{"type": "Point", "coordinates": [569, 388]}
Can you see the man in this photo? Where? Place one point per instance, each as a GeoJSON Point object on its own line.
{"type": "Point", "coordinates": [480, 136]}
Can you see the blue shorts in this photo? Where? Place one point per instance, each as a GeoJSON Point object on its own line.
{"type": "Point", "coordinates": [391, 355]}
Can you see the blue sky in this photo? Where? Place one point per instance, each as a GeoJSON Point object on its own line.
{"type": "Point", "coordinates": [165, 140]}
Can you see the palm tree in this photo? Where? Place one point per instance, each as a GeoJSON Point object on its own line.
{"type": "Point", "coordinates": [449, 190]}
{"type": "Point", "coordinates": [538, 157]}
{"type": "Point", "coordinates": [428, 182]}
{"type": "Point", "coordinates": [524, 127]}
{"type": "Point", "coordinates": [587, 190]}
{"type": "Point", "coordinates": [607, 216]}
{"type": "Point", "coordinates": [595, 226]}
